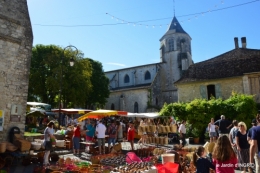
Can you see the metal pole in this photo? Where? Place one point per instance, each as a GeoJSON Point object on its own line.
{"type": "Point", "coordinates": [62, 58]}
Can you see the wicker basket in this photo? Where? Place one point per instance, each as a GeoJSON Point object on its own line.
{"type": "Point", "coordinates": [166, 141]}
{"type": "Point", "coordinates": [161, 140]}
{"type": "Point", "coordinates": [152, 128]}
{"type": "Point", "coordinates": [173, 128]}
{"type": "Point", "coordinates": [168, 129]}
{"type": "Point", "coordinates": [2, 147]}
{"type": "Point", "coordinates": [11, 147]}
{"type": "Point", "coordinates": [160, 129]}
{"type": "Point", "coordinates": [143, 128]}
{"type": "Point", "coordinates": [147, 129]}
{"type": "Point", "coordinates": [157, 140]}
{"type": "Point", "coordinates": [163, 129]}
{"type": "Point", "coordinates": [23, 145]}
{"type": "Point", "coordinates": [140, 132]}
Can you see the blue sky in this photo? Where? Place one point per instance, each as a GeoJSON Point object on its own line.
{"type": "Point", "coordinates": [122, 41]}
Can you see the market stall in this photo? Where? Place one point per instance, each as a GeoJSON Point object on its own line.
{"type": "Point", "coordinates": [102, 113]}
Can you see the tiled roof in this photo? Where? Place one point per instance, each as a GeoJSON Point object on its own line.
{"type": "Point", "coordinates": [230, 64]}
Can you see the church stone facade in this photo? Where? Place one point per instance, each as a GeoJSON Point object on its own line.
{"type": "Point", "coordinates": [15, 54]}
{"type": "Point", "coordinates": [146, 88]}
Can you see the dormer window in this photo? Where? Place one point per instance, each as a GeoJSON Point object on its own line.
{"type": "Point", "coordinates": [171, 44]}
{"type": "Point", "coordinates": [147, 75]}
{"type": "Point", "coordinates": [126, 79]}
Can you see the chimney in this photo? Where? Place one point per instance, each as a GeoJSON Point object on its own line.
{"type": "Point", "coordinates": [243, 40]}
{"type": "Point", "coordinates": [236, 42]}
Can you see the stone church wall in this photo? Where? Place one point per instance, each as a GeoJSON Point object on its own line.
{"type": "Point", "coordinates": [136, 76]}
{"type": "Point", "coordinates": [15, 54]}
{"type": "Point", "coordinates": [125, 100]}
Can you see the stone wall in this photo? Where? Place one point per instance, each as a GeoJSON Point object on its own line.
{"type": "Point", "coordinates": [190, 91]}
{"type": "Point", "coordinates": [125, 100]}
{"type": "Point", "coordinates": [15, 54]}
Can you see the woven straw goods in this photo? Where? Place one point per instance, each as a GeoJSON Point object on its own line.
{"type": "Point", "coordinates": [2, 147]}
{"type": "Point", "coordinates": [159, 129]}
{"type": "Point", "coordinates": [211, 147]}
{"type": "Point", "coordinates": [163, 129]}
{"type": "Point", "coordinates": [17, 136]}
{"type": "Point", "coordinates": [147, 129]}
{"type": "Point", "coordinates": [11, 147]}
{"type": "Point", "coordinates": [153, 140]}
{"type": "Point", "coordinates": [148, 140]}
{"type": "Point", "coordinates": [161, 140]}
{"type": "Point", "coordinates": [23, 145]}
{"type": "Point", "coordinates": [143, 128]}
{"type": "Point", "coordinates": [168, 129]}
{"type": "Point", "coordinates": [152, 128]}
{"type": "Point", "coordinates": [166, 141]}
{"type": "Point", "coordinates": [155, 151]}
{"type": "Point", "coordinates": [173, 128]}
{"type": "Point", "coordinates": [140, 132]}
{"type": "Point", "coordinates": [157, 140]}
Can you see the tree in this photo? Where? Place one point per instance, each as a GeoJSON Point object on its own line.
{"type": "Point", "coordinates": [100, 84]}
{"type": "Point", "coordinates": [45, 76]}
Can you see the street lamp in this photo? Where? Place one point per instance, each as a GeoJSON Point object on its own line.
{"type": "Point", "coordinates": [72, 61]}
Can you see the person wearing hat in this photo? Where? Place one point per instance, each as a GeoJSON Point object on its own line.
{"type": "Point", "coordinates": [253, 139]}
{"type": "Point", "coordinates": [76, 139]}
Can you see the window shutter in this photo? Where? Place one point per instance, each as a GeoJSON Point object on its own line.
{"type": "Point", "coordinates": [218, 90]}
{"type": "Point", "coordinates": [203, 91]}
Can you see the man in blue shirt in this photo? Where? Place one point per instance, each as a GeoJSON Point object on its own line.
{"type": "Point", "coordinates": [255, 145]}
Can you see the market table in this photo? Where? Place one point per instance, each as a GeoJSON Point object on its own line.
{"type": "Point", "coordinates": [31, 136]}
{"type": "Point", "coordinates": [88, 144]}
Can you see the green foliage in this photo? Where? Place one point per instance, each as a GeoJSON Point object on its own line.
{"type": "Point", "coordinates": [198, 112]}
{"type": "Point", "coordinates": [82, 85]}
{"type": "Point", "coordinates": [195, 132]}
{"type": "Point", "coordinates": [100, 86]}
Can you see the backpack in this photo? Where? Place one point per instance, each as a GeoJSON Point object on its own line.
{"type": "Point", "coordinates": [112, 130]}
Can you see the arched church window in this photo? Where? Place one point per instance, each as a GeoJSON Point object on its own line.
{"type": "Point", "coordinates": [112, 106]}
{"type": "Point", "coordinates": [147, 75]}
{"type": "Point", "coordinates": [171, 44]}
{"type": "Point", "coordinates": [136, 107]}
{"type": "Point", "coordinates": [127, 79]}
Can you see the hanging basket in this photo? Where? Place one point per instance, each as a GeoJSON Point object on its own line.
{"type": "Point", "coordinates": [2, 147]}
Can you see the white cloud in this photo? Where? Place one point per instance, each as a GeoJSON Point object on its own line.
{"type": "Point", "coordinates": [117, 64]}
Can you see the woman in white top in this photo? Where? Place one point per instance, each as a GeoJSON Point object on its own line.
{"type": "Point", "coordinates": [212, 131]}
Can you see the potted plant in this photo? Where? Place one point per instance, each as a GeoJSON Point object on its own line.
{"type": "Point", "coordinates": [195, 133]}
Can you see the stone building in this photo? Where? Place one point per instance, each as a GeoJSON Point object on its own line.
{"type": "Point", "coordinates": [15, 54]}
{"type": "Point", "coordinates": [147, 87]}
{"type": "Point", "coordinates": [237, 70]}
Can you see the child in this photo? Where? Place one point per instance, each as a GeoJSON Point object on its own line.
{"type": "Point", "coordinates": [131, 134]}
{"type": "Point", "coordinates": [224, 157]}
{"type": "Point", "coordinates": [202, 164]}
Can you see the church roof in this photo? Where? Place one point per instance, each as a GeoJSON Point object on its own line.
{"type": "Point", "coordinates": [230, 64]}
{"type": "Point", "coordinates": [175, 25]}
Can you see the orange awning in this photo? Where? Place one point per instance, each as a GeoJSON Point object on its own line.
{"type": "Point", "coordinates": [101, 113]}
